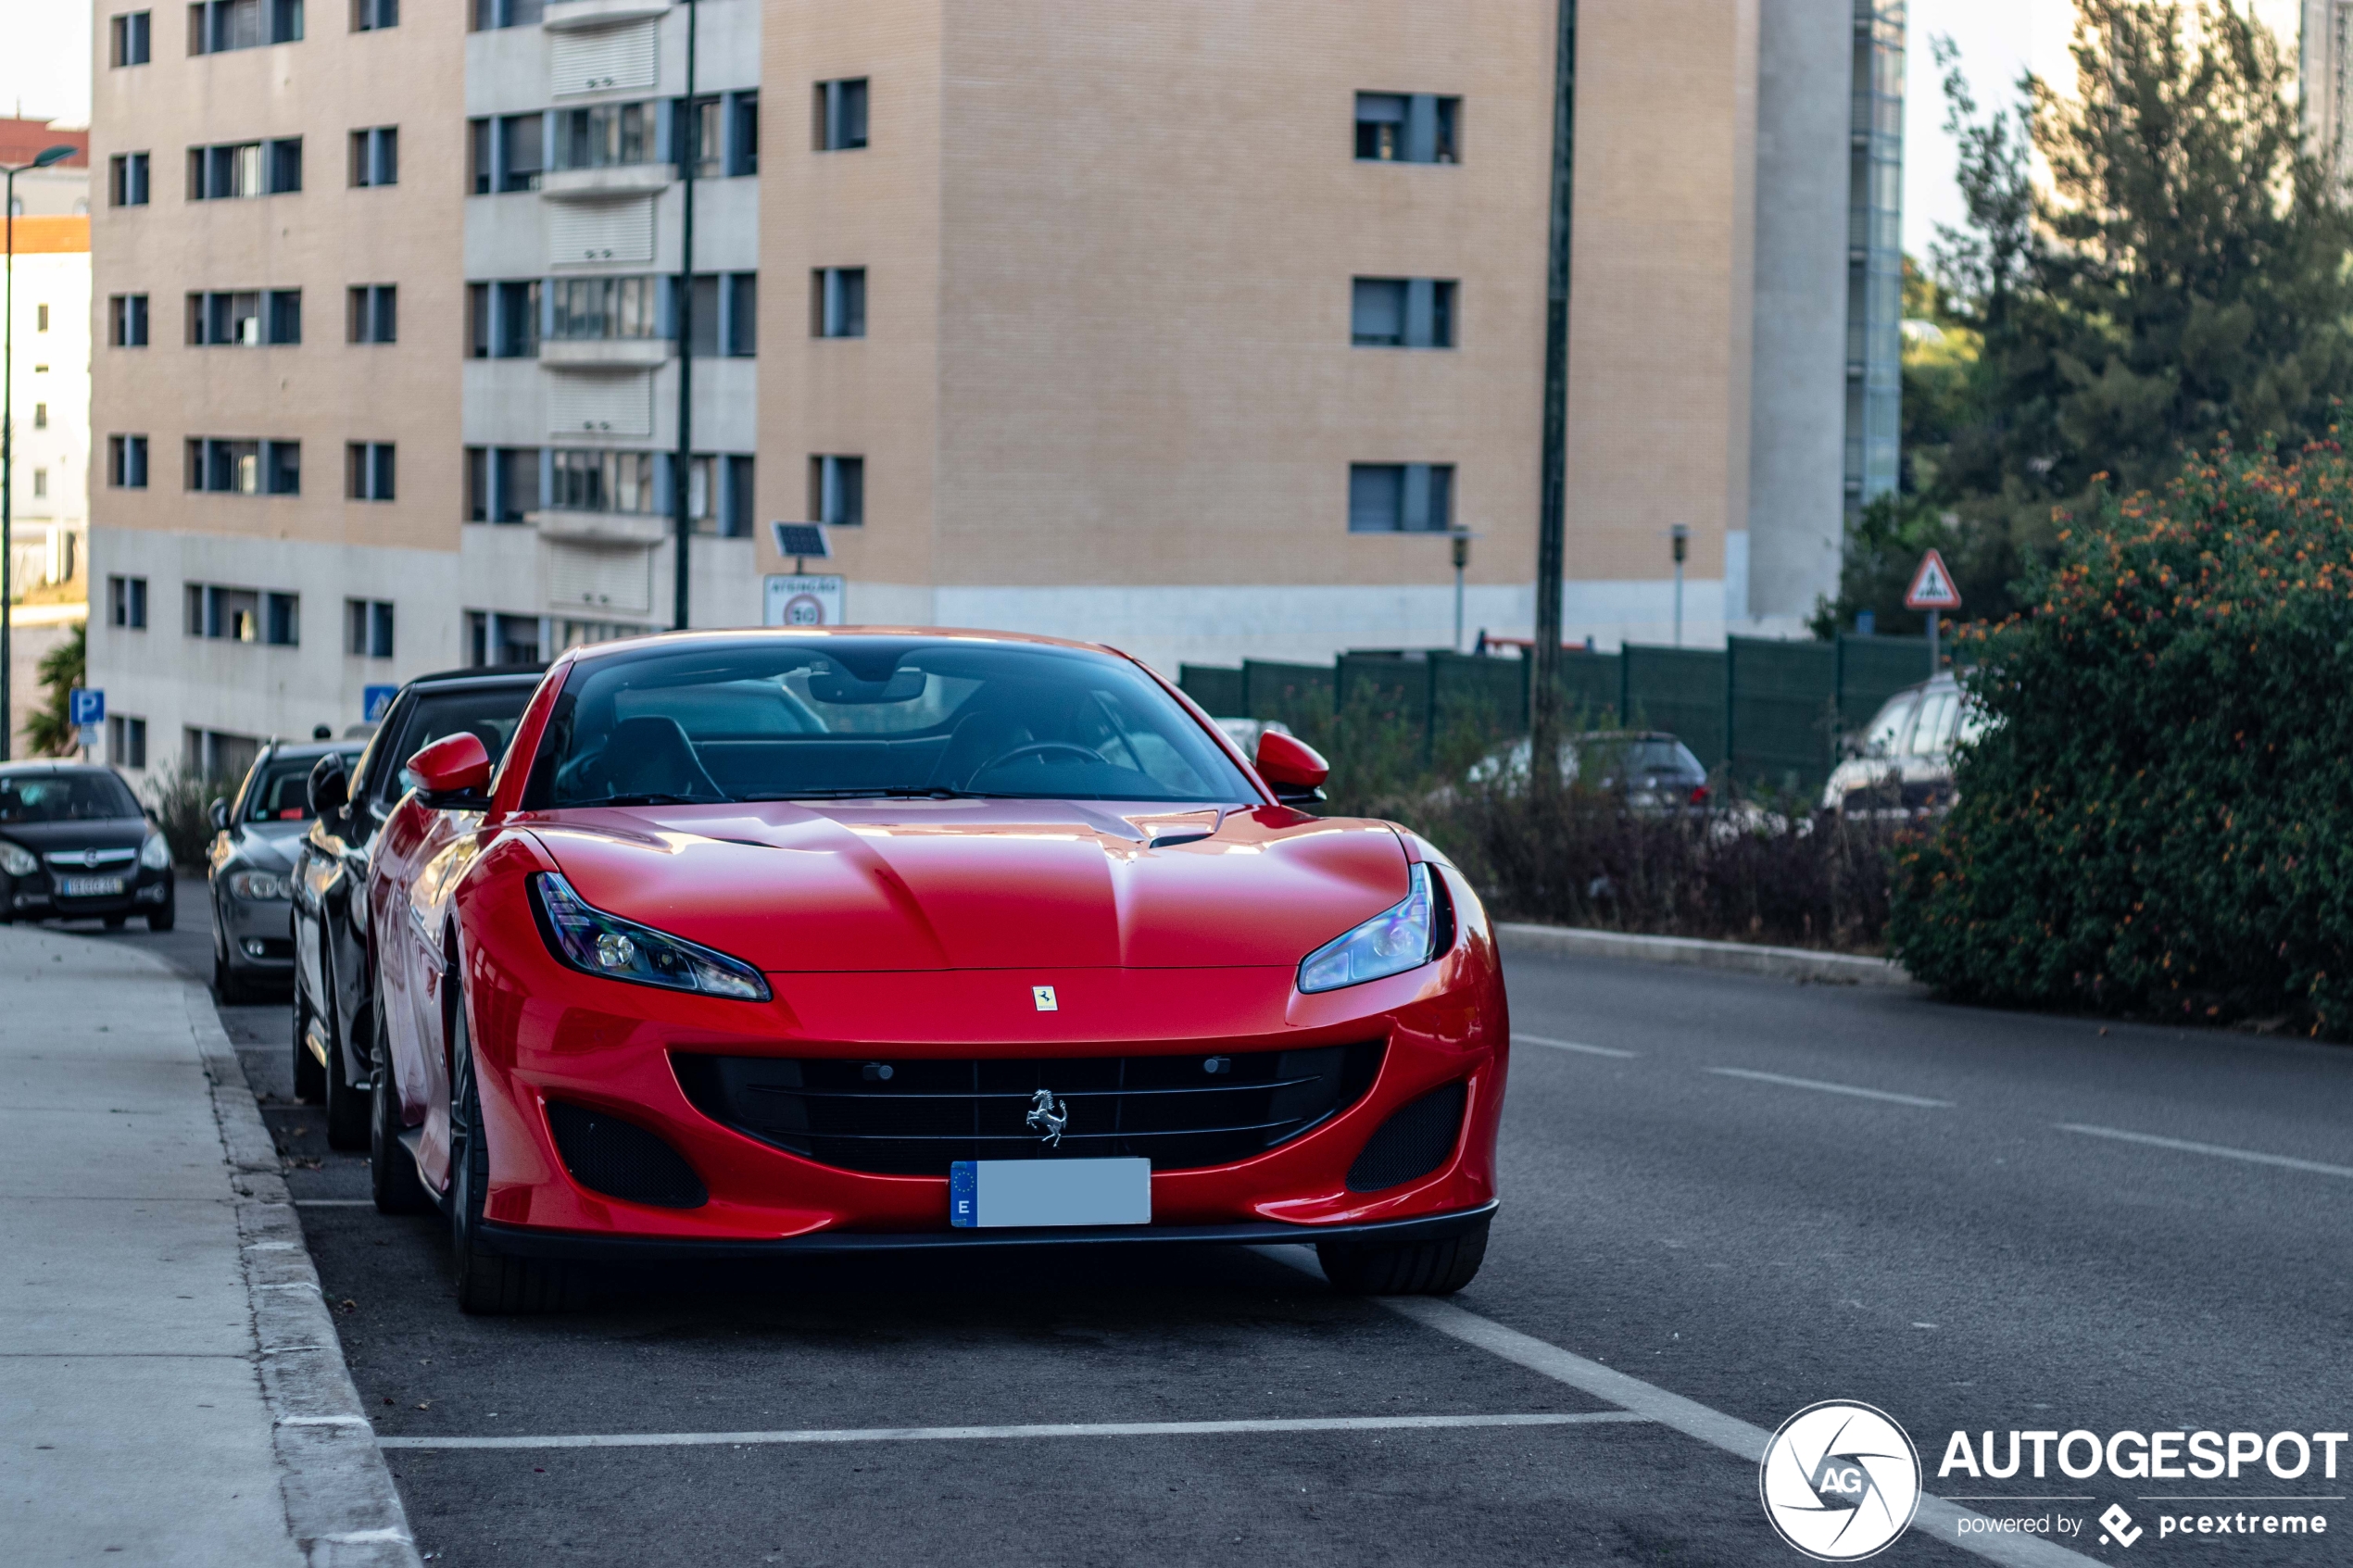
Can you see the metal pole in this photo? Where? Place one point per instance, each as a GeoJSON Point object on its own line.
{"type": "Point", "coordinates": [1679, 604]}
{"type": "Point", "coordinates": [689, 154]}
{"type": "Point", "coordinates": [1544, 700]}
{"type": "Point", "coordinates": [1933, 617]}
{"type": "Point", "coordinates": [1462, 560]}
{"type": "Point", "coordinates": [7, 484]}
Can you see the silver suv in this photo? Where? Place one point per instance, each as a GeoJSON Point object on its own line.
{"type": "Point", "coordinates": [1902, 761]}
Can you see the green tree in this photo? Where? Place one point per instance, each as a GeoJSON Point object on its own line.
{"type": "Point", "coordinates": [47, 729]}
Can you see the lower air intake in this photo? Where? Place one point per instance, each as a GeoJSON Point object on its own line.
{"type": "Point", "coordinates": [621, 1159]}
{"type": "Point", "coordinates": [1411, 1144]}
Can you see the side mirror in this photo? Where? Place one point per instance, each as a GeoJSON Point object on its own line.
{"type": "Point", "coordinates": [1292, 768]}
{"type": "Point", "coordinates": [219, 812]}
{"type": "Point", "coordinates": [330, 785]}
{"type": "Point", "coordinates": [453, 772]}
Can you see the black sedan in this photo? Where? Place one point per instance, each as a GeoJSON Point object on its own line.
{"type": "Point", "coordinates": [75, 844]}
{"type": "Point", "coordinates": [334, 994]}
{"type": "Point", "coordinates": [252, 853]}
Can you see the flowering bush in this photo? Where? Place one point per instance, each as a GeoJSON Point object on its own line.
{"type": "Point", "coordinates": [2157, 819]}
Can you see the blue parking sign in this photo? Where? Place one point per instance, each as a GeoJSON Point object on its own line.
{"type": "Point", "coordinates": [85, 706]}
{"type": "Point", "coordinates": [374, 700]}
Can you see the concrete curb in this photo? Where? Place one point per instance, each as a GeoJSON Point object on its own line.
{"type": "Point", "coordinates": [1784, 963]}
{"type": "Point", "coordinates": [341, 1506]}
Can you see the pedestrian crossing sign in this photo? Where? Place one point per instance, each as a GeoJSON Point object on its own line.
{"type": "Point", "coordinates": [1932, 586]}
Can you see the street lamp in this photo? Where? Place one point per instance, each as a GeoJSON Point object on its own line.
{"type": "Point", "coordinates": [9, 441]}
{"type": "Point", "coordinates": [1460, 539]}
{"type": "Point", "coordinates": [1682, 539]}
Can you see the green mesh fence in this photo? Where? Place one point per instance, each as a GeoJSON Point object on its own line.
{"type": "Point", "coordinates": [1871, 670]}
{"type": "Point", "coordinates": [1218, 690]}
{"type": "Point", "coordinates": [1592, 688]}
{"type": "Point", "coordinates": [1784, 711]}
{"type": "Point", "coordinates": [1286, 691]}
{"type": "Point", "coordinates": [1680, 690]}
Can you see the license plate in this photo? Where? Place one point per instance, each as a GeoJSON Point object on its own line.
{"type": "Point", "coordinates": [991, 1194]}
{"type": "Point", "coordinates": [88, 886]}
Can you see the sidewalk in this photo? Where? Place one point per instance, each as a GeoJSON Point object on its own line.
{"type": "Point", "coordinates": [171, 1390]}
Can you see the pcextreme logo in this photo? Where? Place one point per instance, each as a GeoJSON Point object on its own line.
{"type": "Point", "coordinates": [1839, 1481]}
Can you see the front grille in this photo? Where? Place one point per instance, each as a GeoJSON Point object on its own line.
{"type": "Point", "coordinates": [1413, 1143]}
{"type": "Point", "coordinates": [621, 1159]}
{"type": "Point", "coordinates": [894, 1116]}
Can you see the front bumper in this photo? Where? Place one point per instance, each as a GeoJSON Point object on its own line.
{"type": "Point", "coordinates": [543, 1033]}
{"type": "Point", "coordinates": [260, 933]}
{"type": "Point", "coordinates": [35, 897]}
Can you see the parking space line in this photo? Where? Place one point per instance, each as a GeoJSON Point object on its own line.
{"type": "Point", "coordinates": [1569, 1046]}
{"type": "Point", "coordinates": [1817, 1084]}
{"type": "Point", "coordinates": [335, 1203]}
{"type": "Point", "coordinates": [1937, 1517]}
{"type": "Point", "coordinates": [1072, 1429]}
{"type": "Point", "coordinates": [2285, 1162]}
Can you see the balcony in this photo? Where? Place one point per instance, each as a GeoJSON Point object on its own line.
{"type": "Point", "coordinates": [603, 185]}
{"type": "Point", "coordinates": [563, 16]}
{"type": "Point", "coordinates": [607, 529]}
{"type": "Point", "coordinates": [604, 353]}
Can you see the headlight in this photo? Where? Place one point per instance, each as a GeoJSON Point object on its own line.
{"type": "Point", "coordinates": [156, 854]}
{"type": "Point", "coordinates": [256, 885]}
{"type": "Point", "coordinates": [595, 942]}
{"type": "Point", "coordinates": [17, 860]}
{"type": "Point", "coordinates": [1399, 938]}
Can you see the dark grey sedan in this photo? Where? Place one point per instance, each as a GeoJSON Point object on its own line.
{"type": "Point", "coordinates": [75, 844]}
{"type": "Point", "coordinates": [250, 863]}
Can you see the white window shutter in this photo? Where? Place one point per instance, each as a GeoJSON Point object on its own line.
{"type": "Point", "coordinates": [583, 404]}
{"type": "Point", "coordinates": [597, 579]}
{"type": "Point", "coordinates": [597, 234]}
{"type": "Point", "coordinates": [602, 60]}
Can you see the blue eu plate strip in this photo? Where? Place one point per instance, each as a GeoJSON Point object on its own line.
{"type": "Point", "coordinates": [963, 1194]}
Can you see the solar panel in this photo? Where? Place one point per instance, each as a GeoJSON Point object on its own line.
{"type": "Point", "coordinates": [803, 539]}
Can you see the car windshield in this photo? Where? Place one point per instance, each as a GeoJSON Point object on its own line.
{"type": "Point", "coordinates": [489, 714]}
{"type": "Point", "coordinates": [281, 789]}
{"type": "Point", "coordinates": [849, 716]}
{"type": "Point", "coordinates": [1887, 727]}
{"type": "Point", "coordinates": [1610, 756]}
{"type": "Point", "coordinates": [65, 797]}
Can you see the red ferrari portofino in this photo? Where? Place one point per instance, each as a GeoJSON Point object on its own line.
{"type": "Point", "coordinates": [767, 943]}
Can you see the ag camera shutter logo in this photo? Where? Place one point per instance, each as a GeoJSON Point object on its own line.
{"type": "Point", "coordinates": [1839, 1481]}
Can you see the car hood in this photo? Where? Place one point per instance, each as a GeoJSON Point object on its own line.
{"type": "Point", "coordinates": [983, 883]}
{"type": "Point", "coordinates": [51, 838]}
{"type": "Point", "coordinates": [267, 847]}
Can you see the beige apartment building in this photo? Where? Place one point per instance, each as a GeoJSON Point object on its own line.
{"type": "Point", "coordinates": [1193, 326]}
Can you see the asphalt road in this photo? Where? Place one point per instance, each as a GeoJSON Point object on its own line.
{"type": "Point", "coordinates": [1698, 1199]}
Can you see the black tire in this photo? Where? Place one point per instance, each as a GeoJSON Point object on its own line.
{"type": "Point", "coordinates": [309, 1072]}
{"type": "Point", "coordinates": [227, 987]}
{"type": "Point", "coordinates": [489, 1283]}
{"type": "Point", "coordinates": [393, 1181]}
{"type": "Point", "coordinates": [346, 1103]}
{"type": "Point", "coordinates": [167, 914]}
{"type": "Point", "coordinates": [1411, 1268]}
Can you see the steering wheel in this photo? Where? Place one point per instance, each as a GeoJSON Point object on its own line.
{"type": "Point", "coordinates": [1035, 748]}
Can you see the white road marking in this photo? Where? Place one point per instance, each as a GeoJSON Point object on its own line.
{"type": "Point", "coordinates": [1937, 1517]}
{"type": "Point", "coordinates": [335, 1203]}
{"type": "Point", "coordinates": [1569, 1046]}
{"type": "Point", "coordinates": [1892, 1097]}
{"type": "Point", "coordinates": [2217, 1151]}
{"type": "Point", "coordinates": [967, 1434]}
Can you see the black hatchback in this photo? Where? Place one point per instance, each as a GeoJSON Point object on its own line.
{"type": "Point", "coordinates": [74, 845]}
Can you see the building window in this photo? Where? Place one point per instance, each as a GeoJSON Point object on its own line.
{"type": "Point", "coordinates": [1401, 497]}
{"type": "Point", "coordinates": [505, 153]}
{"type": "Point", "coordinates": [703, 325]}
{"type": "Point", "coordinates": [502, 483]}
{"type": "Point", "coordinates": [1402, 313]}
{"type": "Point", "coordinates": [41, 416]}
{"type": "Point", "coordinates": [236, 170]}
{"type": "Point", "coordinates": [242, 615]}
{"type": "Point", "coordinates": [244, 467]}
{"type": "Point", "coordinates": [127, 180]}
{"type": "Point", "coordinates": [1408, 128]}
{"type": "Point", "coordinates": [244, 318]}
{"type": "Point", "coordinates": [601, 136]}
{"type": "Point", "coordinates": [493, 638]}
{"type": "Point", "coordinates": [370, 16]}
{"type": "Point", "coordinates": [367, 628]}
{"type": "Point", "coordinates": [367, 470]}
{"type": "Point", "coordinates": [743, 134]}
{"type": "Point", "coordinates": [695, 136]}
{"type": "Point", "coordinates": [841, 115]}
{"type": "Point", "coordinates": [127, 602]}
{"type": "Point", "coordinates": [603, 481]}
{"type": "Point", "coordinates": [127, 321]}
{"type": "Point", "coordinates": [128, 39]}
{"type": "Point", "coordinates": [837, 302]}
{"type": "Point", "coordinates": [502, 319]}
{"type": "Point", "coordinates": [41, 483]}
{"type": "Point", "coordinates": [371, 314]}
{"type": "Point", "coordinates": [375, 156]}
{"type": "Point", "coordinates": [743, 315]}
{"type": "Point", "coordinates": [281, 620]}
{"type": "Point", "coordinates": [735, 515]}
{"type": "Point", "coordinates": [217, 25]}
{"type": "Point", "coordinates": [39, 318]}
{"type": "Point", "coordinates": [127, 466]}
{"type": "Point", "coordinates": [126, 741]}
{"type": "Point", "coordinates": [591, 310]}
{"type": "Point", "coordinates": [838, 491]}
{"type": "Point", "coordinates": [489, 14]}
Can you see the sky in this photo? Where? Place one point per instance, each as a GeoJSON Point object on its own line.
{"type": "Point", "coordinates": [45, 65]}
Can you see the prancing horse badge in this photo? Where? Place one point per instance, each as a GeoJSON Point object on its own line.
{"type": "Point", "coordinates": [1044, 996]}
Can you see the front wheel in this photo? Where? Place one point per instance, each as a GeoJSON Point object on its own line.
{"type": "Point", "coordinates": [309, 1072]}
{"type": "Point", "coordinates": [393, 1181]}
{"type": "Point", "coordinates": [1407, 1268]}
{"type": "Point", "coordinates": [488, 1283]}
{"type": "Point", "coordinates": [164, 916]}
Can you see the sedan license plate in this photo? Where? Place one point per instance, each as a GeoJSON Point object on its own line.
{"type": "Point", "coordinates": [989, 1194]}
{"type": "Point", "coordinates": [88, 886]}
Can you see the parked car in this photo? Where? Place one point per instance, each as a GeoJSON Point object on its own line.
{"type": "Point", "coordinates": [76, 844]}
{"type": "Point", "coordinates": [248, 864]}
{"type": "Point", "coordinates": [774, 944]}
{"type": "Point", "coordinates": [1903, 760]}
{"type": "Point", "coordinates": [1655, 771]}
{"type": "Point", "coordinates": [333, 952]}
